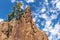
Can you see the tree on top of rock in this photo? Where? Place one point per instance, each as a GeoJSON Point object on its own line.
{"type": "Point", "coordinates": [16, 10]}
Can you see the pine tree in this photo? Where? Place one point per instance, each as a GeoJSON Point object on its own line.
{"type": "Point", "coordinates": [16, 11]}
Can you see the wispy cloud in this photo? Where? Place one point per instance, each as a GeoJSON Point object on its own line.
{"type": "Point", "coordinates": [43, 10]}
{"type": "Point", "coordinates": [1, 20]}
{"type": "Point", "coordinates": [52, 31]}
{"type": "Point", "coordinates": [58, 5]}
{"type": "Point", "coordinates": [13, 1]}
{"type": "Point", "coordinates": [28, 1]}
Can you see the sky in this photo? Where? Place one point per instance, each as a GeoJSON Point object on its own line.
{"type": "Point", "coordinates": [45, 14]}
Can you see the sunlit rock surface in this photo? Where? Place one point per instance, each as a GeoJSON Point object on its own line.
{"type": "Point", "coordinates": [21, 29]}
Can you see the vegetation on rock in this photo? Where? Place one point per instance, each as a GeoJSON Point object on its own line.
{"type": "Point", "coordinates": [16, 11]}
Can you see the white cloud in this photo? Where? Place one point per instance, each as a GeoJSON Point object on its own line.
{"type": "Point", "coordinates": [48, 23]}
{"type": "Point", "coordinates": [53, 16]}
{"type": "Point", "coordinates": [46, 0]}
{"type": "Point", "coordinates": [44, 16]}
{"type": "Point", "coordinates": [26, 6]}
{"type": "Point", "coordinates": [42, 23]}
{"type": "Point", "coordinates": [58, 5]}
{"type": "Point", "coordinates": [52, 10]}
{"type": "Point", "coordinates": [1, 20]}
{"type": "Point", "coordinates": [49, 28]}
{"type": "Point", "coordinates": [34, 19]}
{"type": "Point", "coordinates": [28, 1]}
{"type": "Point", "coordinates": [43, 10]}
{"type": "Point", "coordinates": [54, 31]}
{"type": "Point", "coordinates": [54, 1]}
{"type": "Point", "coordinates": [13, 1]}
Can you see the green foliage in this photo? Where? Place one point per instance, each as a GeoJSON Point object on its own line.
{"type": "Point", "coordinates": [10, 16]}
{"type": "Point", "coordinates": [17, 10]}
{"type": "Point", "coordinates": [18, 5]}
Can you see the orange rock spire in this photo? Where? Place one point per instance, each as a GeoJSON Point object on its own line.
{"type": "Point", "coordinates": [22, 29]}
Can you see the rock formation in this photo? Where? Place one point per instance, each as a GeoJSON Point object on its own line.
{"type": "Point", "coordinates": [21, 29]}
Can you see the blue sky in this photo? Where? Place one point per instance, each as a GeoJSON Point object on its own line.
{"type": "Point", "coordinates": [5, 8]}
{"type": "Point", "coordinates": [45, 13]}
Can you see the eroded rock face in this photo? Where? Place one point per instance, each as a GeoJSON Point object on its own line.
{"type": "Point", "coordinates": [21, 29]}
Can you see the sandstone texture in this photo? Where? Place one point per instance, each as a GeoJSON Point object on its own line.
{"type": "Point", "coordinates": [21, 29]}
